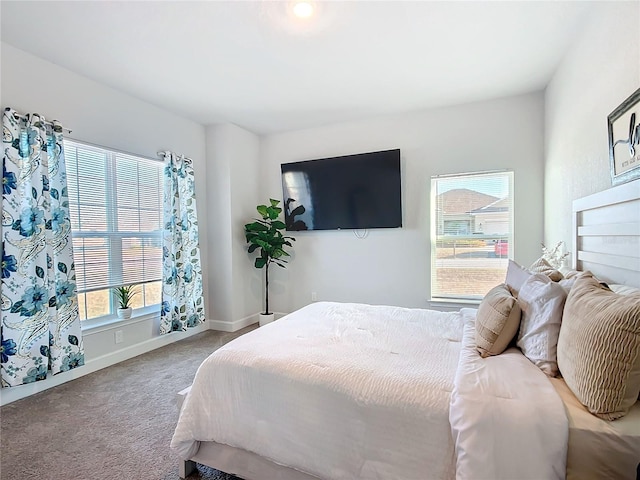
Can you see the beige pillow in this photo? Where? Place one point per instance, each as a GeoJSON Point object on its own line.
{"type": "Point", "coordinates": [543, 266]}
{"type": "Point", "coordinates": [497, 321]}
{"type": "Point", "coordinates": [599, 348]}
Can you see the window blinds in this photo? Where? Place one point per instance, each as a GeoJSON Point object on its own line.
{"type": "Point", "coordinates": [472, 233]}
{"type": "Point", "coordinates": [115, 204]}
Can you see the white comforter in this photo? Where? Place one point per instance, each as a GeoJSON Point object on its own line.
{"type": "Point", "coordinates": [507, 419]}
{"type": "Point", "coordinates": [350, 391]}
{"type": "Point", "coordinates": [339, 391]}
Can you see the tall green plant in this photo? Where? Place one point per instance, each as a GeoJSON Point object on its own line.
{"type": "Point", "coordinates": [265, 236]}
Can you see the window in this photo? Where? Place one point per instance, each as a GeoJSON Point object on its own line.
{"type": "Point", "coordinates": [471, 232]}
{"type": "Point", "coordinates": [115, 205]}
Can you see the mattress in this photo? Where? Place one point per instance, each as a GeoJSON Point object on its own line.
{"type": "Point", "coordinates": [599, 448]}
{"type": "Point", "coordinates": [337, 391]}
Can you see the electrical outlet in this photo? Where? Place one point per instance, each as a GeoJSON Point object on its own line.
{"type": "Point", "coordinates": [119, 336]}
{"type": "Point", "coordinates": [314, 296]}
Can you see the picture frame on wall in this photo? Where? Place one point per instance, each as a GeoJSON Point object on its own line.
{"type": "Point", "coordinates": [624, 140]}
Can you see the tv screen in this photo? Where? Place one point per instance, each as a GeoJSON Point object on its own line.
{"type": "Point", "coordinates": [353, 192]}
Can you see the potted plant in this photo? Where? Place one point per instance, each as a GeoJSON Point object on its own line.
{"type": "Point", "coordinates": [125, 294]}
{"type": "Point", "coordinates": [265, 236]}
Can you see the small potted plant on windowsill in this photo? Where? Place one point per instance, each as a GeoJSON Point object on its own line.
{"type": "Point", "coordinates": [125, 294]}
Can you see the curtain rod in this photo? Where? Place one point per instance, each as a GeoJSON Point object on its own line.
{"type": "Point", "coordinates": [47, 122]}
{"type": "Point", "coordinates": [164, 153]}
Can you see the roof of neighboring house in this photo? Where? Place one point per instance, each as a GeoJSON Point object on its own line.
{"type": "Point", "coordinates": [500, 205]}
{"type": "Point", "coordinates": [463, 200]}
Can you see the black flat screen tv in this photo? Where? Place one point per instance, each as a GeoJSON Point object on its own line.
{"type": "Point", "coordinates": [351, 192]}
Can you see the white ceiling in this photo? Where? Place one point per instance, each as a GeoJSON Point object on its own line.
{"type": "Point", "coordinates": [253, 64]}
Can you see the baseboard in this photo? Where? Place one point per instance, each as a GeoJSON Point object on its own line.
{"type": "Point", "coordinates": [146, 346]}
{"type": "Point", "coordinates": [11, 394]}
{"type": "Point", "coordinates": [235, 325]}
{"type": "Point", "coordinates": [239, 324]}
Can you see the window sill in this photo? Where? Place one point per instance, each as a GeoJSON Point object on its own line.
{"type": "Point", "coordinates": [450, 304]}
{"type": "Point", "coordinates": [110, 322]}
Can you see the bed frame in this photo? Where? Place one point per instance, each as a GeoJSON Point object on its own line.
{"type": "Point", "coordinates": [606, 241]}
{"type": "Point", "coordinates": [606, 229]}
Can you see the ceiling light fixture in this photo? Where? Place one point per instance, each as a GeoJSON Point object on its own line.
{"type": "Point", "coordinates": [303, 9]}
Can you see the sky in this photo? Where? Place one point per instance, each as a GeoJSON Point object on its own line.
{"type": "Point", "coordinates": [496, 185]}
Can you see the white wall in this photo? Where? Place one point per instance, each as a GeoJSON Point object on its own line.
{"type": "Point", "coordinates": [392, 266]}
{"type": "Point", "coordinates": [600, 71]}
{"type": "Point", "coordinates": [232, 180]}
{"type": "Point", "coordinates": [103, 116]}
{"type": "Point", "coordinates": [389, 266]}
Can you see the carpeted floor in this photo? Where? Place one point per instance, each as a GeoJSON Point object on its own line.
{"type": "Point", "coordinates": [116, 423]}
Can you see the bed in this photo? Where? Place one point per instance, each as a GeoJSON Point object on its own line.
{"type": "Point", "coordinates": [338, 391]}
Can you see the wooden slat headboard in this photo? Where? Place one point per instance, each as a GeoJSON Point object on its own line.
{"type": "Point", "coordinates": [606, 228]}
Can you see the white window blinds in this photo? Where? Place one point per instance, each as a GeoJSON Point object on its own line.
{"type": "Point", "coordinates": [115, 203]}
{"type": "Point", "coordinates": [471, 232]}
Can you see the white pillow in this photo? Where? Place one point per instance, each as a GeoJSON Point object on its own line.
{"type": "Point", "coordinates": [568, 272]}
{"type": "Point", "coordinates": [623, 289]}
{"type": "Point", "coordinates": [568, 281]}
{"type": "Point", "coordinates": [541, 301]}
{"type": "Point", "coordinates": [516, 276]}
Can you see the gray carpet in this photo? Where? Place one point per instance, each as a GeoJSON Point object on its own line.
{"type": "Point", "coordinates": [116, 423]}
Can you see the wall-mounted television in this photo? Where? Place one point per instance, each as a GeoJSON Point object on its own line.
{"type": "Point", "coordinates": [359, 191]}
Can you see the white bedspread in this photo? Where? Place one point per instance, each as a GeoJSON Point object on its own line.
{"type": "Point", "coordinates": [339, 391]}
{"type": "Point", "coordinates": [508, 422]}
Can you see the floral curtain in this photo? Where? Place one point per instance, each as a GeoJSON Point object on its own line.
{"type": "Point", "coordinates": [40, 326]}
{"type": "Point", "coordinates": [182, 302]}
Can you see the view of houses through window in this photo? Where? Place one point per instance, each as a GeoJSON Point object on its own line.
{"type": "Point", "coordinates": [115, 205]}
{"type": "Point", "coordinates": [472, 233]}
